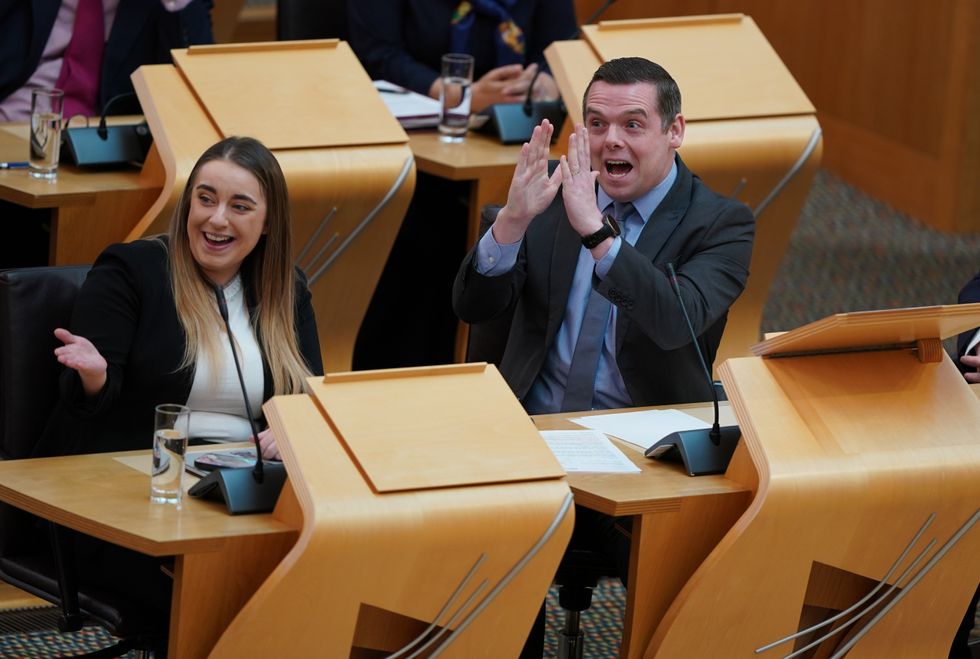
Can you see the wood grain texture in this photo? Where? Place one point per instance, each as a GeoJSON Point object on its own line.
{"type": "Point", "coordinates": [313, 94]}
{"type": "Point", "coordinates": [364, 557]}
{"type": "Point", "coordinates": [467, 417]}
{"type": "Point", "coordinates": [854, 452]}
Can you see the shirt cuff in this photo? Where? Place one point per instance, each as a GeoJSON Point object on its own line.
{"type": "Point", "coordinates": [603, 265]}
{"type": "Point", "coordinates": [971, 346]}
{"type": "Point", "coordinates": [492, 258]}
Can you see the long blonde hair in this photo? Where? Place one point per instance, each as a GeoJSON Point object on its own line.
{"type": "Point", "coordinates": [267, 272]}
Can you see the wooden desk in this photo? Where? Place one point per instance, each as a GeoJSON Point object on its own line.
{"type": "Point", "coordinates": [220, 559]}
{"type": "Point", "coordinates": [89, 209]}
{"type": "Point", "coordinates": [677, 521]}
{"type": "Point", "coordinates": [481, 159]}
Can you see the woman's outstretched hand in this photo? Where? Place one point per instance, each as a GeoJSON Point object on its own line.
{"type": "Point", "coordinates": [78, 353]}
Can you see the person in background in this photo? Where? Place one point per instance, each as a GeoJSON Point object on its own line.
{"type": "Point", "coordinates": [89, 48]}
{"type": "Point", "coordinates": [410, 321]}
{"type": "Point", "coordinates": [41, 47]}
{"type": "Point", "coordinates": [968, 361]}
{"type": "Point", "coordinates": [403, 41]}
{"type": "Point", "coordinates": [580, 256]}
{"type": "Point", "coordinates": [146, 330]}
{"type": "Point", "coordinates": [967, 351]}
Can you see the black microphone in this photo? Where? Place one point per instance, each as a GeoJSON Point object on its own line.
{"type": "Point", "coordinates": [219, 295]}
{"type": "Point", "coordinates": [703, 451]}
{"type": "Point", "coordinates": [240, 493]}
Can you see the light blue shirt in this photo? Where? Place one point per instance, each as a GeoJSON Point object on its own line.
{"type": "Point", "coordinates": [548, 390]}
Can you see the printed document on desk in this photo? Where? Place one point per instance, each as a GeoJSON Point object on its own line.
{"type": "Point", "coordinates": [411, 109]}
{"type": "Point", "coordinates": [586, 451]}
{"type": "Point", "coordinates": [646, 428]}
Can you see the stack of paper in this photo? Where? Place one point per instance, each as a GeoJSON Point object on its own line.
{"type": "Point", "coordinates": [412, 110]}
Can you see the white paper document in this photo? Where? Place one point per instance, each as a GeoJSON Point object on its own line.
{"type": "Point", "coordinates": [644, 429]}
{"type": "Point", "coordinates": [586, 450]}
{"type": "Point", "coordinates": [413, 110]}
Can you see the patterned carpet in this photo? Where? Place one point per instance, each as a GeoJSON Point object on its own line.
{"type": "Point", "coordinates": [849, 252]}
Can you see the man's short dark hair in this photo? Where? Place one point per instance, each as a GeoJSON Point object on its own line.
{"type": "Point", "coordinates": [631, 70]}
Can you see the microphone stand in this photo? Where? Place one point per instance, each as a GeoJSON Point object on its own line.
{"type": "Point", "coordinates": [703, 450]}
{"type": "Point", "coordinates": [243, 491]}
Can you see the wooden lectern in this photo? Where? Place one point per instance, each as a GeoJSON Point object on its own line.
{"type": "Point", "coordinates": [859, 439]}
{"type": "Point", "coordinates": [432, 518]}
{"type": "Point", "coordinates": [347, 164]}
{"type": "Point", "coordinates": [751, 131]}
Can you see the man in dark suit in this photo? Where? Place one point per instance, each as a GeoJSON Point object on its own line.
{"type": "Point", "coordinates": [596, 322]}
{"type": "Point", "coordinates": [547, 255]}
{"type": "Point", "coordinates": [142, 32]}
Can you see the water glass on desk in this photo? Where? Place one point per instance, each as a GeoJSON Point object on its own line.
{"type": "Point", "coordinates": [169, 451]}
{"type": "Point", "coordinates": [46, 108]}
{"type": "Point", "coordinates": [455, 95]}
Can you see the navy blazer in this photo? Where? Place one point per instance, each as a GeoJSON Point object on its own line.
{"type": "Point", "coordinates": [126, 309]}
{"type": "Point", "coordinates": [707, 237]}
{"type": "Point", "coordinates": [143, 32]}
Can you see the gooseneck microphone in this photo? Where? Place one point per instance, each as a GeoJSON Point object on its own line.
{"type": "Point", "coordinates": [703, 451]}
{"type": "Point", "coordinates": [243, 491]}
{"type": "Point", "coordinates": [257, 470]}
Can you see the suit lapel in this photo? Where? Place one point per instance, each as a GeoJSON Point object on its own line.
{"type": "Point", "coordinates": [658, 229]}
{"type": "Point", "coordinates": [667, 217]}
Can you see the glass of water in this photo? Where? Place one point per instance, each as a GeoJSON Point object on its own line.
{"type": "Point", "coordinates": [457, 79]}
{"type": "Point", "coordinates": [46, 107]}
{"type": "Point", "coordinates": [169, 451]}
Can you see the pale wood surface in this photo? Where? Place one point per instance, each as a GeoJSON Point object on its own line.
{"type": "Point", "coordinates": [677, 521]}
{"type": "Point", "coordinates": [74, 490]}
{"type": "Point", "coordinates": [313, 93]}
{"type": "Point", "coordinates": [373, 566]}
{"type": "Point", "coordinates": [90, 209]}
{"type": "Point", "coordinates": [465, 416]}
{"type": "Point", "coordinates": [723, 64]}
{"type": "Point", "coordinates": [853, 451]}
{"type": "Point", "coordinates": [889, 327]}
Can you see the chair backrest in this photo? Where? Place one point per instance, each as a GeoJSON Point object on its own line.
{"type": "Point", "coordinates": [311, 19]}
{"type": "Point", "coordinates": [33, 302]}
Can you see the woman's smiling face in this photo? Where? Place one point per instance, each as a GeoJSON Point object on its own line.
{"type": "Point", "coordinates": [226, 218]}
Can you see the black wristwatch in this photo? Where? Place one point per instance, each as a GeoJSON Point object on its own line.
{"type": "Point", "coordinates": [610, 229]}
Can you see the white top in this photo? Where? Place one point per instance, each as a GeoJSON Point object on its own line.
{"type": "Point", "coordinates": [217, 409]}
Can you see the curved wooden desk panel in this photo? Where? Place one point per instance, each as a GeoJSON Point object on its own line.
{"type": "Point", "coordinates": [346, 203]}
{"type": "Point", "coordinates": [855, 454]}
{"type": "Point", "coordinates": [371, 571]}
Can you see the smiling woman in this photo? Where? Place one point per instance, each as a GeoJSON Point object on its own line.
{"type": "Point", "coordinates": [146, 330]}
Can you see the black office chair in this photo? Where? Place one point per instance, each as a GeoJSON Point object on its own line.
{"type": "Point", "coordinates": [311, 19]}
{"type": "Point", "coordinates": [36, 556]}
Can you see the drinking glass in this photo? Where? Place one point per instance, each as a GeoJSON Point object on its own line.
{"type": "Point", "coordinates": [169, 451]}
{"type": "Point", "coordinates": [457, 80]}
{"type": "Point", "coordinates": [46, 106]}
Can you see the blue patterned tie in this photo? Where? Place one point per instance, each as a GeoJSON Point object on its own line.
{"type": "Point", "coordinates": [580, 385]}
